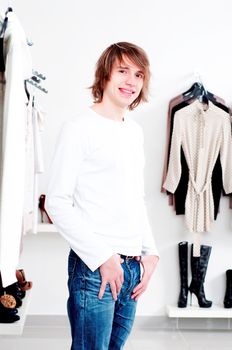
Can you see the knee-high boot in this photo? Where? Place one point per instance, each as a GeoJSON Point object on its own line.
{"type": "Point", "coordinates": [199, 267]}
{"type": "Point", "coordinates": [228, 294]}
{"type": "Point", "coordinates": [183, 266]}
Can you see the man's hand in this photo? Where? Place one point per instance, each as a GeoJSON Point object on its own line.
{"type": "Point", "coordinates": [149, 263]}
{"type": "Point", "coordinates": [112, 273]}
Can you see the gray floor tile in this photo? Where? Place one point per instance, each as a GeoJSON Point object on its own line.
{"type": "Point", "coordinates": [159, 340]}
{"type": "Point", "coordinates": [208, 340]}
{"type": "Point", "coordinates": [59, 339]}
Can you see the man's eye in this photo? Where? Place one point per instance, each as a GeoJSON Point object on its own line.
{"type": "Point", "coordinates": [122, 71]}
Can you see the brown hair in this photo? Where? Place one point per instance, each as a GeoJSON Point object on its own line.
{"type": "Point", "coordinates": [104, 68]}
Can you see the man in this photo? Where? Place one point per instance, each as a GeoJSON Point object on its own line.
{"type": "Point", "coordinates": [95, 199]}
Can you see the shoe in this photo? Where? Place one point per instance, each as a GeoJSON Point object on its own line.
{"type": "Point", "coordinates": [8, 315]}
{"type": "Point", "coordinates": [7, 310]}
{"type": "Point", "coordinates": [42, 209]}
{"type": "Point", "coordinates": [24, 285]}
{"type": "Point", "coordinates": [8, 301]}
{"type": "Point", "coordinates": [14, 290]}
{"type": "Point", "coordinates": [183, 266]}
{"type": "Point", "coordinates": [199, 267]}
{"type": "Point", "coordinates": [228, 294]}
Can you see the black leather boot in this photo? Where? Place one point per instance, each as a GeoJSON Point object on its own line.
{"type": "Point", "coordinates": [228, 294]}
{"type": "Point", "coordinates": [199, 267]}
{"type": "Point", "coordinates": [183, 266]}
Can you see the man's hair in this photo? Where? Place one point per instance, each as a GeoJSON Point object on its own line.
{"type": "Point", "coordinates": [105, 64]}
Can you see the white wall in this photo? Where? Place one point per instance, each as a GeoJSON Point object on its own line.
{"type": "Point", "coordinates": [179, 37]}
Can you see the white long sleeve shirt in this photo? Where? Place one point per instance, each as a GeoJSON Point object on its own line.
{"type": "Point", "coordinates": [96, 194]}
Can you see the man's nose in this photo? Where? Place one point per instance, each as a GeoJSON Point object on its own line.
{"type": "Point", "coordinates": [130, 79]}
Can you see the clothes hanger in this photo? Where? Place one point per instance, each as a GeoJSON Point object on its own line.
{"type": "Point", "coordinates": [4, 25]}
{"type": "Point", "coordinates": [197, 90]}
{"type": "Point", "coordinates": [191, 89]}
{"type": "Point", "coordinates": [32, 82]}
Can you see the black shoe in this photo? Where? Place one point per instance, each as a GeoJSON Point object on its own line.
{"type": "Point", "coordinates": [15, 290]}
{"type": "Point", "coordinates": [5, 318]}
{"type": "Point", "coordinates": [8, 315]}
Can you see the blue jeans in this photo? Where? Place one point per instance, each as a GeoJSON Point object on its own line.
{"type": "Point", "coordinates": [99, 324]}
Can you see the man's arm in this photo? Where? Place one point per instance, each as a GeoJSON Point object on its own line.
{"type": "Point", "coordinates": [67, 163]}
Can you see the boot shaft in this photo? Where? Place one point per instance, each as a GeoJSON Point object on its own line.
{"type": "Point", "coordinates": [199, 267]}
{"type": "Point", "coordinates": [183, 269]}
{"type": "Point", "coordinates": [228, 293]}
{"type": "Point", "coordinates": [183, 260]}
{"type": "Point", "coordinates": [199, 264]}
{"type": "Point", "coordinates": [229, 283]}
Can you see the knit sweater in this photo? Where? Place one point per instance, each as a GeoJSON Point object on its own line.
{"type": "Point", "coordinates": [96, 193]}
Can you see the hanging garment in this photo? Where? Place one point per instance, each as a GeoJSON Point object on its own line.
{"type": "Point", "coordinates": [202, 135]}
{"type": "Point", "coordinates": [12, 157]}
{"type": "Point", "coordinates": [38, 127]}
{"type": "Point", "coordinates": [178, 198]}
{"type": "Point", "coordinates": [34, 166]}
{"type": "Point", "coordinates": [29, 171]}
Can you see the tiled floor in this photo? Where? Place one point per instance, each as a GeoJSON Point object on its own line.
{"type": "Point", "coordinates": [58, 339]}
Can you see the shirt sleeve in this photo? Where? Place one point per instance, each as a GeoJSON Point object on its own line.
{"type": "Point", "coordinates": [174, 166]}
{"type": "Point", "coordinates": [71, 150]}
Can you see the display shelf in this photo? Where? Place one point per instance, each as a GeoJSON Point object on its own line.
{"type": "Point", "coordinates": [16, 328]}
{"type": "Point", "coordinates": [216, 311]}
{"type": "Point", "coordinates": [44, 227]}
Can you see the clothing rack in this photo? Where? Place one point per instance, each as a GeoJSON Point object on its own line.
{"type": "Point", "coordinates": [35, 81]}
{"type": "Point", "coordinates": [38, 75]}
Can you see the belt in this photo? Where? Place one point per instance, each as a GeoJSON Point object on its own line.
{"type": "Point", "coordinates": [127, 257]}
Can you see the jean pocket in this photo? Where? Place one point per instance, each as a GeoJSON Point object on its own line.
{"type": "Point", "coordinates": [71, 265]}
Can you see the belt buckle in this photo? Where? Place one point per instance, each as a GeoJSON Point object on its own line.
{"type": "Point", "coordinates": [129, 257]}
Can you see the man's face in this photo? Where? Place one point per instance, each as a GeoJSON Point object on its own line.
{"type": "Point", "coordinates": [125, 83]}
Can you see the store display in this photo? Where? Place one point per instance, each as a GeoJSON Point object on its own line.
{"type": "Point", "coordinates": [198, 160]}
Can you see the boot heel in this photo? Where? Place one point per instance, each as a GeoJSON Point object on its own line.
{"type": "Point", "coordinates": [191, 299]}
